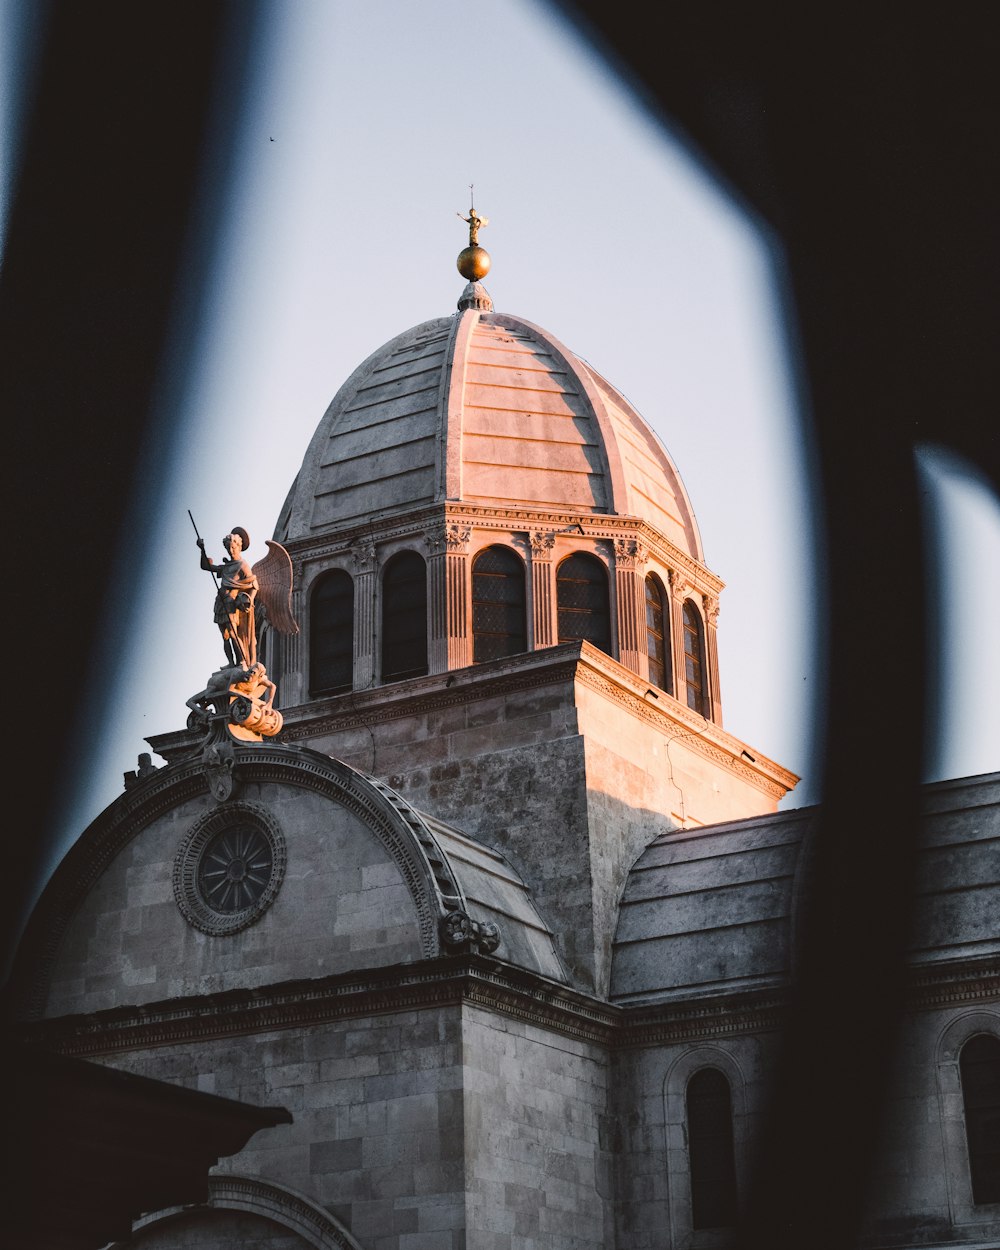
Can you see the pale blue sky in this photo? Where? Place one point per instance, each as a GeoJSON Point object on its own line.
{"type": "Point", "coordinates": [365, 127]}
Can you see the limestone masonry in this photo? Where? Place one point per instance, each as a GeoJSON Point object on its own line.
{"type": "Point", "coordinates": [503, 916]}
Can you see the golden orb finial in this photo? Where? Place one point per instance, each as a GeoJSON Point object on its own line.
{"type": "Point", "coordinates": [474, 261]}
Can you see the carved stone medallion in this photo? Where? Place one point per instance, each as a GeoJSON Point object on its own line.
{"type": "Point", "coordinates": [229, 868]}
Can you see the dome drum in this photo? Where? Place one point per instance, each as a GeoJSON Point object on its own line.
{"type": "Point", "coordinates": [482, 585]}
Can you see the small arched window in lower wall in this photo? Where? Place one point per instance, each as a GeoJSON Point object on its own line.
{"type": "Point", "coordinates": [710, 1148]}
{"type": "Point", "coordinates": [583, 601]}
{"type": "Point", "coordinates": [404, 617]}
{"type": "Point", "coordinates": [331, 634]}
{"type": "Point", "coordinates": [979, 1065]}
{"type": "Point", "coordinates": [498, 618]}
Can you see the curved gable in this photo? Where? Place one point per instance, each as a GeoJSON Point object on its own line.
{"type": "Point", "coordinates": [362, 884]}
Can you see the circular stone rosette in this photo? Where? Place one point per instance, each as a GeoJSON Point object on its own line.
{"type": "Point", "coordinates": [229, 868]}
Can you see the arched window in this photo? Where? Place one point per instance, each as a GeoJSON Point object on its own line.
{"type": "Point", "coordinates": [331, 634]}
{"type": "Point", "coordinates": [498, 619]}
{"type": "Point", "coordinates": [582, 601]}
{"type": "Point", "coordinates": [404, 617]}
{"type": "Point", "coordinates": [694, 659]}
{"type": "Point", "coordinates": [979, 1065]}
{"type": "Point", "coordinates": [710, 1149]}
{"type": "Point", "coordinates": [658, 635]}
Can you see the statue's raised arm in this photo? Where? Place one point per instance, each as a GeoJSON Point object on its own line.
{"type": "Point", "coordinates": [475, 223]}
{"type": "Point", "coordinates": [234, 599]}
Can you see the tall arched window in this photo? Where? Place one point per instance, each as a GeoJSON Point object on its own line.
{"type": "Point", "coordinates": [582, 601]}
{"type": "Point", "coordinates": [979, 1065]}
{"type": "Point", "coordinates": [694, 659]}
{"type": "Point", "coordinates": [658, 635]}
{"type": "Point", "coordinates": [331, 634]}
{"type": "Point", "coordinates": [710, 1150]}
{"type": "Point", "coordinates": [404, 617]}
{"type": "Point", "coordinates": [498, 618]}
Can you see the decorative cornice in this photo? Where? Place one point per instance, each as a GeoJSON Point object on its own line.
{"type": "Point", "coordinates": [529, 670]}
{"type": "Point", "coordinates": [479, 981]}
{"type": "Point", "coordinates": [448, 980]}
{"type": "Point", "coordinates": [946, 985]}
{"type": "Point", "coordinates": [419, 522]}
{"type": "Point", "coordinates": [419, 695]}
{"type": "Point", "coordinates": [676, 720]}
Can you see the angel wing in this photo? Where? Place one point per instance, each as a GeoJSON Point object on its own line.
{"type": "Point", "coordinates": [274, 578]}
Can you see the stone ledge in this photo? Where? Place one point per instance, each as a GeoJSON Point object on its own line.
{"type": "Point", "coordinates": [470, 980]}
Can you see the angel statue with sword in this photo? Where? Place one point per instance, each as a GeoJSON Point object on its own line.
{"type": "Point", "coordinates": [241, 591]}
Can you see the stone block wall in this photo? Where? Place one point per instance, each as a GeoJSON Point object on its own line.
{"type": "Point", "coordinates": [921, 1189]}
{"type": "Point", "coordinates": [378, 1136]}
{"type": "Point", "coordinates": [652, 1173]}
{"type": "Point", "coordinates": [449, 1128]}
{"type": "Point", "coordinates": [539, 1167]}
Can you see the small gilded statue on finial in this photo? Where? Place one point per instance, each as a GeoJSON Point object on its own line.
{"type": "Point", "coordinates": [474, 220]}
{"type": "Point", "coordinates": [474, 261]}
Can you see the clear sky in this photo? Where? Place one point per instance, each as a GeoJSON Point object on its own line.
{"type": "Point", "coordinates": [366, 125]}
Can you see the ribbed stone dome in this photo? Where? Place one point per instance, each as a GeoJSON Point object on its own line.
{"type": "Point", "coordinates": [484, 408]}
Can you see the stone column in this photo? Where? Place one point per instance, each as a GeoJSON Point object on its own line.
{"type": "Point", "coordinates": [364, 615]}
{"type": "Point", "coordinates": [711, 603]}
{"type": "Point", "coordinates": [450, 643]}
{"type": "Point", "coordinates": [679, 591]}
{"type": "Point", "coordinates": [630, 606]}
{"type": "Point", "coordinates": [543, 616]}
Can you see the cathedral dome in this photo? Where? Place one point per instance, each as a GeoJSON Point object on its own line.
{"type": "Point", "coordinates": [485, 409]}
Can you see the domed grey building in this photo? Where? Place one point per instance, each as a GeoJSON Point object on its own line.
{"type": "Point", "coordinates": [502, 916]}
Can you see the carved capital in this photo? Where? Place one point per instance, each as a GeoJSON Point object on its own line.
{"type": "Point", "coordinates": [457, 537]}
{"type": "Point", "coordinates": [711, 605]}
{"type": "Point", "coordinates": [679, 587]}
{"type": "Point", "coordinates": [452, 538]}
{"type": "Point", "coordinates": [364, 557]}
{"type": "Point", "coordinates": [542, 543]}
{"type": "Point", "coordinates": [629, 553]}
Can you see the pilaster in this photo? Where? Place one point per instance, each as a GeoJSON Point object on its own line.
{"type": "Point", "coordinates": [711, 604]}
{"type": "Point", "coordinates": [542, 597]}
{"type": "Point", "coordinates": [631, 606]}
{"type": "Point", "coordinates": [448, 572]}
{"type": "Point", "coordinates": [364, 615]}
{"type": "Point", "coordinates": [679, 591]}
